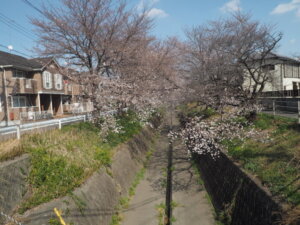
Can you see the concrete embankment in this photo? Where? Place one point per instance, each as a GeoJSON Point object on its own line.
{"type": "Point", "coordinates": [94, 201]}
{"type": "Point", "coordinates": [236, 194]}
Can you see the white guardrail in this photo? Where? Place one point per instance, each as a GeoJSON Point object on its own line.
{"type": "Point", "coordinates": [18, 130]}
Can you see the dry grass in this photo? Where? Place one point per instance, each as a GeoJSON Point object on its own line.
{"type": "Point", "coordinates": [10, 149]}
{"type": "Point", "coordinates": [76, 147]}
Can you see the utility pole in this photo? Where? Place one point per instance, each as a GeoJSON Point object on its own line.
{"type": "Point", "coordinates": [6, 110]}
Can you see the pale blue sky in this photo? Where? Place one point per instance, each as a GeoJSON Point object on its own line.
{"type": "Point", "coordinates": [171, 18]}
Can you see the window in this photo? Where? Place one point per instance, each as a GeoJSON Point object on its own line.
{"type": "Point", "coordinates": [19, 74]}
{"type": "Point", "coordinates": [28, 84]}
{"type": "Point", "coordinates": [295, 71]}
{"type": "Point", "coordinates": [267, 68]}
{"type": "Point", "coordinates": [58, 81]}
{"type": "Point", "coordinates": [19, 101]}
{"type": "Point", "coordinates": [47, 80]}
{"type": "Point", "coordinates": [289, 71]}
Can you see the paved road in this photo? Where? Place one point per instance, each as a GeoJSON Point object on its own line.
{"type": "Point", "coordinates": [192, 207]}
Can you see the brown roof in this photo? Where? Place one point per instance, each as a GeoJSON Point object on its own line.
{"type": "Point", "coordinates": [8, 59]}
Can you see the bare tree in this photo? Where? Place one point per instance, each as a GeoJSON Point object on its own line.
{"type": "Point", "coordinates": [228, 56]}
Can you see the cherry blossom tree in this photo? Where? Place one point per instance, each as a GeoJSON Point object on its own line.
{"type": "Point", "coordinates": [224, 55]}
{"type": "Point", "coordinates": [117, 61]}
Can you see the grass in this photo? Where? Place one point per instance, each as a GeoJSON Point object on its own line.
{"type": "Point", "coordinates": [62, 160]}
{"type": "Point", "coordinates": [131, 126]}
{"type": "Point", "coordinates": [161, 210]}
{"type": "Point", "coordinates": [274, 161]}
{"type": "Point", "coordinates": [10, 149]}
{"type": "Point", "coordinates": [191, 110]}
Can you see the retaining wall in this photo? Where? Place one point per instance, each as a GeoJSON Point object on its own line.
{"type": "Point", "coordinates": [13, 187]}
{"type": "Point", "coordinates": [232, 190]}
{"type": "Point", "coordinates": [95, 201]}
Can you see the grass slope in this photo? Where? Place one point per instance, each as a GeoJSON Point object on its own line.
{"type": "Point", "coordinates": [276, 160]}
{"type": "Point", "coordinates": [63, 159]}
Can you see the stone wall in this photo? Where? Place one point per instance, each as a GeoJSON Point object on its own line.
{"type": "Point", "coordinates": [234, 192]}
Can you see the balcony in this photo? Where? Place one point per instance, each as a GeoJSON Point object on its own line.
{"type": "Point", "coordinates": [25, 86]}
{"type": "Point", "coordinates": [286, 93]}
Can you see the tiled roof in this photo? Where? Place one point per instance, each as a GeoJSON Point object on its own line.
{"type": "Point", "coordinates": [8, 59]}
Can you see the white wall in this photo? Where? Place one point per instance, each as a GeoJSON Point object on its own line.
{"type": "Point", "coordinates": [288, 82]}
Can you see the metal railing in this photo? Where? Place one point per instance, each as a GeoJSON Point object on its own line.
{"type": "Point", "coordinates": [24, 128]}
{"type": "Point", "coordinates": [33, 116]}
{"type": "Point", "coordinates": [282, 107]}
{"type": "Point", "coordinates": [78, 108]}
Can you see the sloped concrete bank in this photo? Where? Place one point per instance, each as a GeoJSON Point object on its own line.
{"type": "Point", "coordinates": [95, 201]}
{"type": "Point", "coordinates": [235, 193]}
{"type": "Point", "coordinates": [13, 176]}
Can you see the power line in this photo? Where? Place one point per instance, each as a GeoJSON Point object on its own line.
{"type": "Point", "coordinates": [33, 6]}
{"type": "Point", "coordinates": [15, 26]}
{"type": "Point", "coordinates": [14, 23]}
{"type": "Point", "coordinates": [21, 53]}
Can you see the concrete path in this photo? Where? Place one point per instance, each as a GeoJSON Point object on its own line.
{"type": "Point", "coordinates": [189, 197]}
{"type": "Point", "coordinates": [192, 207]}
{"type": "Point", "coordinates": [150, 192]}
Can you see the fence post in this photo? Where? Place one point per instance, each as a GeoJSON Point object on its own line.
{"type": "Point", "coordinates": [84, 118]}
{"type": "Point", "coordinates": [59, 124]}
{"type": "Point", "coordinates": [18, 132]}
{"type": "Point", "coordinates": [298, 112]}
{"type": "Point", "coordinates": [274, 108]}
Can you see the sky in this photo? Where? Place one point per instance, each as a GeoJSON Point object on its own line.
{"type": "Point", "coordinates": [171, 18]}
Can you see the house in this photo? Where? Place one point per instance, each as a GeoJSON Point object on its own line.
{"type": "Point", "coordinates": [284, 76]}
{"type": "Point", "coordinates": [34, 89]}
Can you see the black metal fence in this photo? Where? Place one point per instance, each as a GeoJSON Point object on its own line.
{"type": "Point", "coordinates": [287, 107]}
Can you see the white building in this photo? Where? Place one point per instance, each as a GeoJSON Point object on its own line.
{"type": "Point", "coordinates": [284, 75]}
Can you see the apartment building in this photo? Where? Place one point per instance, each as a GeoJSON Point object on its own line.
{"type": "Point", "coordinates": [34, 87]}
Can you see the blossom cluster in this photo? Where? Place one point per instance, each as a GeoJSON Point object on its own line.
{"type": "Point", "coordinates": [205, 136]}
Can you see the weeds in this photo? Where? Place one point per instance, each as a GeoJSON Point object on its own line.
{"type": "Point", "coordinates": [274, 161]}
{"type": "Point", "coordinates": [62, 160]}
{"type": "Point", "coordinates": [124, 201]}
{"type": "Point", "coordinates": [161, 208]}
